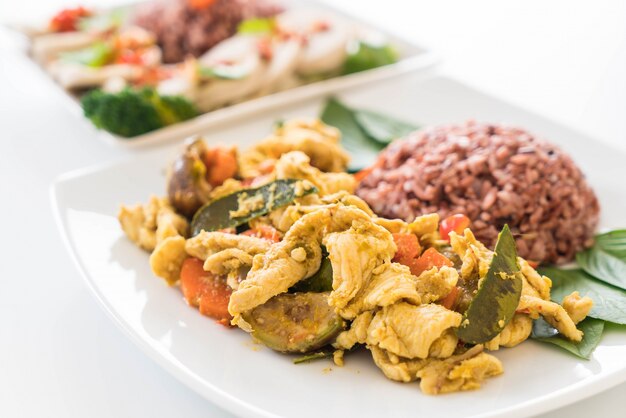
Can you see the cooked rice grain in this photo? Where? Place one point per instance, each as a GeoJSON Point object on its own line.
{"type": "Point", "coordinates": [495, 175]}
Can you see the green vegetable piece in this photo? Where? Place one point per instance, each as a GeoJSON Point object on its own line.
{"type": "Point", "coordinates": [295, 322]}
{"type": "Point", "coordinates": [133, 112]}
{"type": "Point", "coordinates": [224, 72]}
{"type": "Point", "coordinates": [103, 21]}
{"type": "Point", "coordinates": [313, 356]}
{"type": "Point", "coordinates": [592, 329]}
{"type": "Point", "coordinates": [609, 302]}
{"type": "Point", "coordinates": [382, 128]}
{"type": "Point", "coordinates": [498, 296]}
{"type": "Point", "coordinates": [363, 56]}
{"type": "Point", "coordinates": [96, 55]}
{"type": "Point", "coordinates": [257, 26]}
{"type": "Point", "coordinates": [362, 149]}
{"type": "Point", "coordinates": [613, 242]}
{"type": "Point", "coordinates": [606, 260]}
{"type": "Point", "coordinates": [241, 207]}
{"type": "Point", "coordinates": [322, 281]}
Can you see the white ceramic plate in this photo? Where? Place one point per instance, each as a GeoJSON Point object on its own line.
{"type": "Point", "coordinates": [228, 369]}
{"type": "Point", "coordinates": [412, 57]}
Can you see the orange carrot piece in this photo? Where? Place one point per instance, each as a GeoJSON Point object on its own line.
{"type": "Point", "coordinates": [206, 291]}
{"type": "Point", "coordinates": [456, 223]}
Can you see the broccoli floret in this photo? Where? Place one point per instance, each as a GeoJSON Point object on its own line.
{"type": "Point", "coordinates": [133, 112]}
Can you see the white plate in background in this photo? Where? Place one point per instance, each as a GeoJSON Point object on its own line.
{"type": "Point", "coordinates": [413, 57]}
{"type": "Point", "coordinates": [227, 368]}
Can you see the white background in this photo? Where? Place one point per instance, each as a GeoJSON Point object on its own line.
{"type": "Point", "coordinates": [60, 356]}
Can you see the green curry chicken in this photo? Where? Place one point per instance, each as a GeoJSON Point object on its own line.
{"type": "Point", "coordinates": [284, 250]}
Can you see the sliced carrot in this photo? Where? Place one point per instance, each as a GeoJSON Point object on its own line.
{"type": "Point", "coordinates": [408, 247]}
{"type": "Point", "coordinates": [360, 175]}
{"type": "Point", "coordinates": [456, 223]}
{"type": "Point", "coordinates": [449, 301]}
{"type": "Point", "coordinates": [266, 232]}
{"type": "Point", "coordinates": [429, 259]}
{"type": "Point", "coordinates": [206, 291]}
{"type": "Point", "coordinates": [221, 165]}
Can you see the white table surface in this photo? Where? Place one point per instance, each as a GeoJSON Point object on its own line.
{"type": "Point", "coordinates": [60, 354]}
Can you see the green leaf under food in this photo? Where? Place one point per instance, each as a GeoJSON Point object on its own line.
{"type": "Point", "coordinates": [313, 356]}
{"type": "Point", "coordinates": [322, 281]}
{"type": "Point", "coordinates": [241, 207]}
{"type": "Point", "coordinates": [382, 128]}
{"type": "Point", "coordinates": [613, 242]}
{"type": "Point", "coordinates": [609, 302]}
{"type": "Point", "coordinates": [603, 266]}
{"type": "Point", "coordinates": [363, 56]}
{"type": "Point", "coordinates": [498, 296]}
{"type": "Point", "coordinates": [96, 55]}
{"type": "Point", "coordinates": [362, 149]}
{"type": "Point", "coordinates": [257, 26]}
{"type": "Point", "coordinates": [591, 327]}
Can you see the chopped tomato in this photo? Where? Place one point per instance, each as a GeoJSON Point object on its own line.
{"type": "Point", "coordinates": [264, 231]}
{"type": "Point", "coordinates": [221, 165]}
{"type": "Point", "coordinates": [129, 57]}
{"type": "Point", "coordinates": [264, 46]}
{"type": "Point", "coordinates": [408, 248]}
{"type": "Point", "coordinates": [533, 264]}
{"type": "Point", "coordinates": [429, 259]}
{"type": "Point", "coordinates": [456, 223]}
{"type": "Point", "coordinates": [449, 301]}
{"type": "Point", "coordinates": [67, 19]}
{"type": "Point", "coordinates": [200, 4]}
{"type": "Point", "coordinates": [206, 291]}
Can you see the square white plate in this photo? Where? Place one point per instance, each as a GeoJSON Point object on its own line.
{"type": "Point", "coordinates": [228, 369]}
{"type": "Point", "coordinates": [412, 57]}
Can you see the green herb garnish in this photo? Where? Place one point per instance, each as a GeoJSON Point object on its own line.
{"type": "Point", "coordinates": [257, 26]}
{"type": "Point", "coordinates": [96, 55]}
{"type": "Point", "coordinates": [592, 329]}
{"type": "Point", "coordinates": [498, 296]}
{"type": "Point", "coordinates": [609, 302]}
{"type": "Point", "coordinates": [364, 56]}
{"type": "Point", "coordinates": [606, 260]}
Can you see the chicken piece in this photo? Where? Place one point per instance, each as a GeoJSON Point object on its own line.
{"type": "Point", "coordinates": [389, 283]}
{"type": "Point", "coordinates": [297, 165]}
{"type": "Point", "coordinates": [409, 331]}
{"type": "Point", "coordinates": [311, 136]}
{"type": "Point", "coordinates": [514, 333]}
{"type": "Point", "coordinates": [229, 186]}
{"type": "Point", "coordinates": [576, 307]}
{"type": "Point", "coordinates": [444, 346]}
{"type": "Point", "coordinates": [540, 283]}
{"type": "Point", "coordinates": [553, 313]}
{"type": "Point", "coordinates": [277, 270]}
{"type": "Point", "coordinates": [226, 254]}
{"type": "Point", "coordinates": [425, 227]}
{"type": "Point", "coordinates": [347, 199]}
{"type": "Point", "coordinates": [205, 244]}
{"type": "Point", "coordinates": [436, 283]}
{"type": "Point", "coordinates": [461, 372]}
{"type": "Point", "coordinates": [357, 334]}
{"type": "Point", "coordinates": [475, 256]}
{"type": "Point", "coordinates": [149, 224]}
{"type": "Point", "coordinates": [395, 368]}
{"type": "Point", "coordinates": [167, 259]}
{"type": "Point", "coordinates": [354, 255]}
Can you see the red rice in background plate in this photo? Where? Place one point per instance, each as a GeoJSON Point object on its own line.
{"type": "Point", "coordinates": [183, 28]}
{"type": "Point", "coordinates": [494, 174]}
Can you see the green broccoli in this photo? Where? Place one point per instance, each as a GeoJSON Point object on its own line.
{"type": "Point", "coordinates": [133, 112]}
